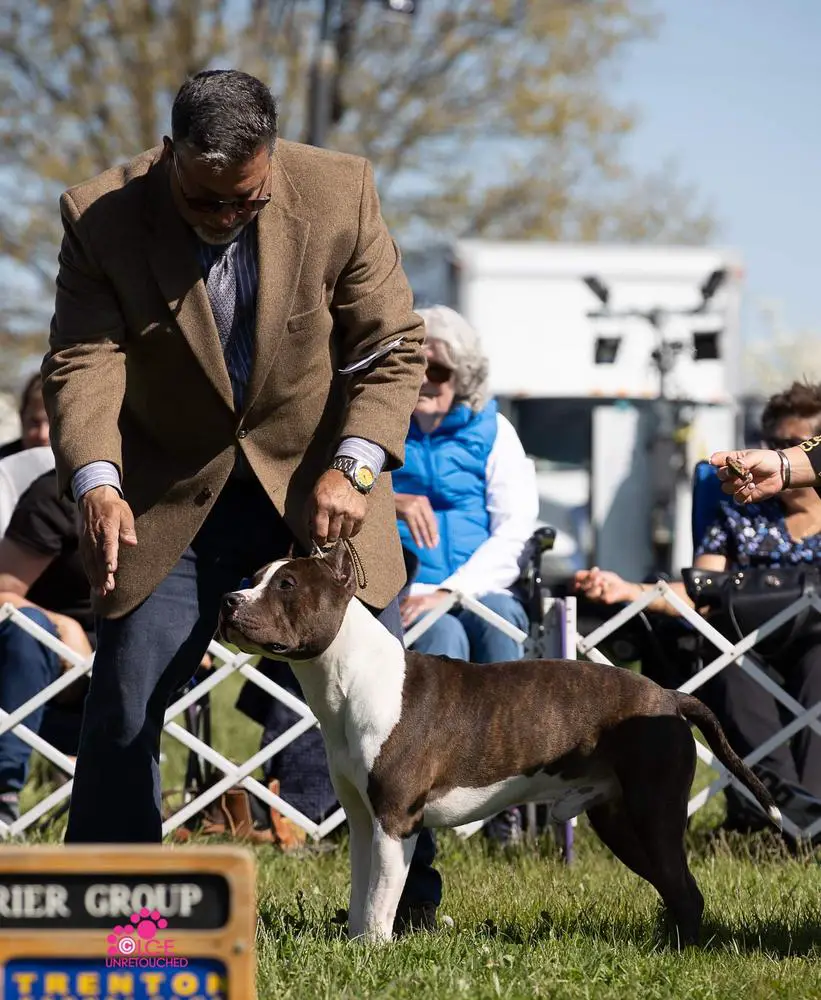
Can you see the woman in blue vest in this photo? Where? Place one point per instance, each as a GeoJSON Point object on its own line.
{"type": "Point", "coordinates": [466, 498]}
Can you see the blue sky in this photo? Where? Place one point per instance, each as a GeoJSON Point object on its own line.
{"type": "Point", "coordinates": [731, 91]}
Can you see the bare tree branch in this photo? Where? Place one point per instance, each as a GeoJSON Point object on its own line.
{"type": "Point", "coordinates": [481, 117]}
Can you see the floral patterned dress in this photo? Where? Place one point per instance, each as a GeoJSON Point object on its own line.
{"type": "Point", "coordinates": [756, 534]}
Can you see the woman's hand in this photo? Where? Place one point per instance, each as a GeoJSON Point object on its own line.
{"type": "Point", "coordinates": [762, 475]}
{"type": "Point", "coordinates": [414, 607]}
{"type": "Point", "coordinates": [417, 513]}
{"type": "Point", "coordinates": [605, 587]}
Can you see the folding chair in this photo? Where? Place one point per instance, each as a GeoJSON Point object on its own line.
{"type": "Point", "coordinates": [707, 496]}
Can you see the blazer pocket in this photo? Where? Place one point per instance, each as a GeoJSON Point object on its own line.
{"type": "Point", "coordinates": [317, 319]}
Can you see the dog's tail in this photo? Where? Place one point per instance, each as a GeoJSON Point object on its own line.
{"type": "Point", "coordinates": [697, 712]}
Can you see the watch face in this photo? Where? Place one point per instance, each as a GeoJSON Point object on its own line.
{"type": "Point", "coordinates": [364, 477]}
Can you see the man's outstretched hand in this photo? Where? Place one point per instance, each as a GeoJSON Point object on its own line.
{"type": "Point", "coordinates": [756, 474]}
{"type": "Point", "coordinates": [106, 523]}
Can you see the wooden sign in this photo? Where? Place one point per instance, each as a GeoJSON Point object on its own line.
{"type": "Point", "coordinates": [104, 922]}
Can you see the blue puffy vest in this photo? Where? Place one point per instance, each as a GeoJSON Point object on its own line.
{"type": "Point", "coordinates": [449, 467]}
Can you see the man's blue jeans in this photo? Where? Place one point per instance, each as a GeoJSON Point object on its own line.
{"type": "Point", "coordinates": [26, 667]}
{"type": "Point", "coordinates": [465, 636]}
{"type": "Point", "coordinates": [146, 656]}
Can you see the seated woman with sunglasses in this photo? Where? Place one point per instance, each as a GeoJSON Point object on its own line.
{"type": "Point", "coordinates": [466, 497]}
{"type": "Point", "coordinates": [780, 531]}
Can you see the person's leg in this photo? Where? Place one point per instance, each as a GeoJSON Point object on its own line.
{"type": "Point", "coordinates": [145, 656]}
{"type": "Point", "coordinates": [301, 768]}
{"type": "Point", "coordinates": [141, 659]}
{"type": "Point", "coordinates": [487, 643]}
{"type": "Point", "coordinates": [26, 667]}
{"type": "Point", "coordinates": [803, 682]}
{"type": "Point", "coordinates": [446, 637]}
{"type": "Point", "coordinates": [749, 716]}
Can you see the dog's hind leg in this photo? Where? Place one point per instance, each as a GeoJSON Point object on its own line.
{"type": "Point", "coordinates": [360, 832]}
{"type": "Point", "coordinates": [614, 827]}
{"type": "Point", "coordinates": [390, 863]}
{"type": "Point", "coordinates": [656, 774]}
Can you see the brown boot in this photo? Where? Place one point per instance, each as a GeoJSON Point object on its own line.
{"type": "Point", "coordinates": [237, 808]}
{"type": "Point", "coordinates": [287, 835]}
{"type": "Point", "coordinates": [214, 819]}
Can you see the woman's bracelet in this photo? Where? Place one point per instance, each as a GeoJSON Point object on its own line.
{"type": "Point", "coordinates": [786, 471]}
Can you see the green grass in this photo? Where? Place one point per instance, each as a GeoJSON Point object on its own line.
{"type": "Point", "coordinates": [526, 925]}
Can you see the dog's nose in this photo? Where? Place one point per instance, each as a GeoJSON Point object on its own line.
{"type": "Point", "coordinates": [231, 601]}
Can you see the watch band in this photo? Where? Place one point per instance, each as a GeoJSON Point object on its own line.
{"type": "Point", "coordinates": [358, 473]}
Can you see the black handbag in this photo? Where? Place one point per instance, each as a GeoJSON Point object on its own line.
{"type": "Point", "coordinates": [747, 598]}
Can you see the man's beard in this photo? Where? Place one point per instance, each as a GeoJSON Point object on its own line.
{"type": "Point", "coordinates": [222, 237]}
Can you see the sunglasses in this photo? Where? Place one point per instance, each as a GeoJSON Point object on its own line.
{"type": "Point", "coordinates": [781, 444]}
{"type": "Point", "coordinates": [212, 206]}
{"type": "Point", "coordinates": [438, 374]}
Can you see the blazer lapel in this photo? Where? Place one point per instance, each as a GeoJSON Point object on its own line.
{"type": "Point", "coordinates": [282, 236]}
{"type": "Point", "coordinates": [173, 259]}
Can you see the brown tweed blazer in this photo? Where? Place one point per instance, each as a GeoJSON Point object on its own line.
{"type": "Point", "coordinates": [135, 373]}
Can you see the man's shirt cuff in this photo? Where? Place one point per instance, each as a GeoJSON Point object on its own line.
{"type": "Point", "coordinates": [366, 451]}
{"type": "Point", "coordinates": [88, 477]}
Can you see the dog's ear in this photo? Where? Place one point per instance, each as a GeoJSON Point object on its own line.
{"type": "Point", "coordinates": [291, 553]}
{"type": "Point", "coordinates": [341, 565]}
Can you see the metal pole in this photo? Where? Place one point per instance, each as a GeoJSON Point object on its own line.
{"type": "Point", "coordinates": [323, 71]}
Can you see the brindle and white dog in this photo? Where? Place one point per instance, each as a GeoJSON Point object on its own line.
{"type": "Point", "coordinates": [416, 740]}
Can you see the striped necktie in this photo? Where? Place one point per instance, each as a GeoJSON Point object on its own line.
{"type": "Point", "coordinates": [222, 293]}
{"type": "Point", "coordinates": [235, 329]}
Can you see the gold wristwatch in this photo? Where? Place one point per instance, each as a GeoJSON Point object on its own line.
{"type": "Point", "coordinates": [358, 473]}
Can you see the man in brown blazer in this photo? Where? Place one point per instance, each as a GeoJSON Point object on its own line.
{"type": "Point", "coordinates": [233, 363]}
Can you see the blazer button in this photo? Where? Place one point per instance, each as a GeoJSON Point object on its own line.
{"type": "Point", "coordinates": [204, 496]}
{"type": "Point", "coordinates": [242, 432]}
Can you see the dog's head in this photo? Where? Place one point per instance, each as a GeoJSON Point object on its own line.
{"type": "Point", "coordinates": [293, 609]}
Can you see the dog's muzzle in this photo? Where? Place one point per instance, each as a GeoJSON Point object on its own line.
{"type": "Point", "coordinates": [230, 629]}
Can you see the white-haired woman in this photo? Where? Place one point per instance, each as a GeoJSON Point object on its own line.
{"type": "Point", "coordinates": [466, 497]}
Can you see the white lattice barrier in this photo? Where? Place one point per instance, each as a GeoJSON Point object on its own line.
{"type": "Point", "coordinates": [242, 774]}
{"type": "Point", "coordinates": [233, 774]}
{"type": "Point", "coordinates": [729, 653]}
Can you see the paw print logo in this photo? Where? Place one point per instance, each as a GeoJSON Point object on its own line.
{"type": "Point", "coordinates": [124, 940]}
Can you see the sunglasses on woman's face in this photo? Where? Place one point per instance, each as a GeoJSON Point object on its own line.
{"type": "Point", "coordinates": [780, 444]}
{"type": "Point", "coordinates": [438, 374]}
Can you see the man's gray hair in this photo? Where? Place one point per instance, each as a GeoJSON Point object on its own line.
{"type": "Point", "coordinates": [224, 117]}
{"type": "Point", "coordinates": [464, 351]}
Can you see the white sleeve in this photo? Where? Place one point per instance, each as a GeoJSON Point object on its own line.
{"type": "Point", "coordinates": [513, 504]}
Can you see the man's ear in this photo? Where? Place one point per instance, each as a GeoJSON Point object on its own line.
{"type": "Point", "coordinates": [341, 566]}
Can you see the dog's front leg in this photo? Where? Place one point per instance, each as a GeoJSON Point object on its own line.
{"type": "Point", "coordinates": [390, 862]}
{"type": "Point", "coordinates": [360, 827]}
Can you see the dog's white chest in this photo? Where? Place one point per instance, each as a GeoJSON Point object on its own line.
{"type": "Point", "coordinates": [367, 663]}
{"type": "Point", "coordinates": [564, 798]}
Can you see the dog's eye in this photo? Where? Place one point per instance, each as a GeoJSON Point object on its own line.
{"type": "Point", "coordinates": [285, 583]}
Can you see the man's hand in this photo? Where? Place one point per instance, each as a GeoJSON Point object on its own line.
{"type": "Point", "coordinates": [107, 522]}
{"type": "Point", "coordinates": [762, 476]}
{"type": "Point", "coordinates": [417, 513]}
{"type": "Point", "coordinates": [414, 607]}
{"type": "Point", "coordinates": [337, 508]}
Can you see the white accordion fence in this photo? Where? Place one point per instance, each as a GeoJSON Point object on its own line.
{"type": "Point", "coordinates": [228, 663]}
